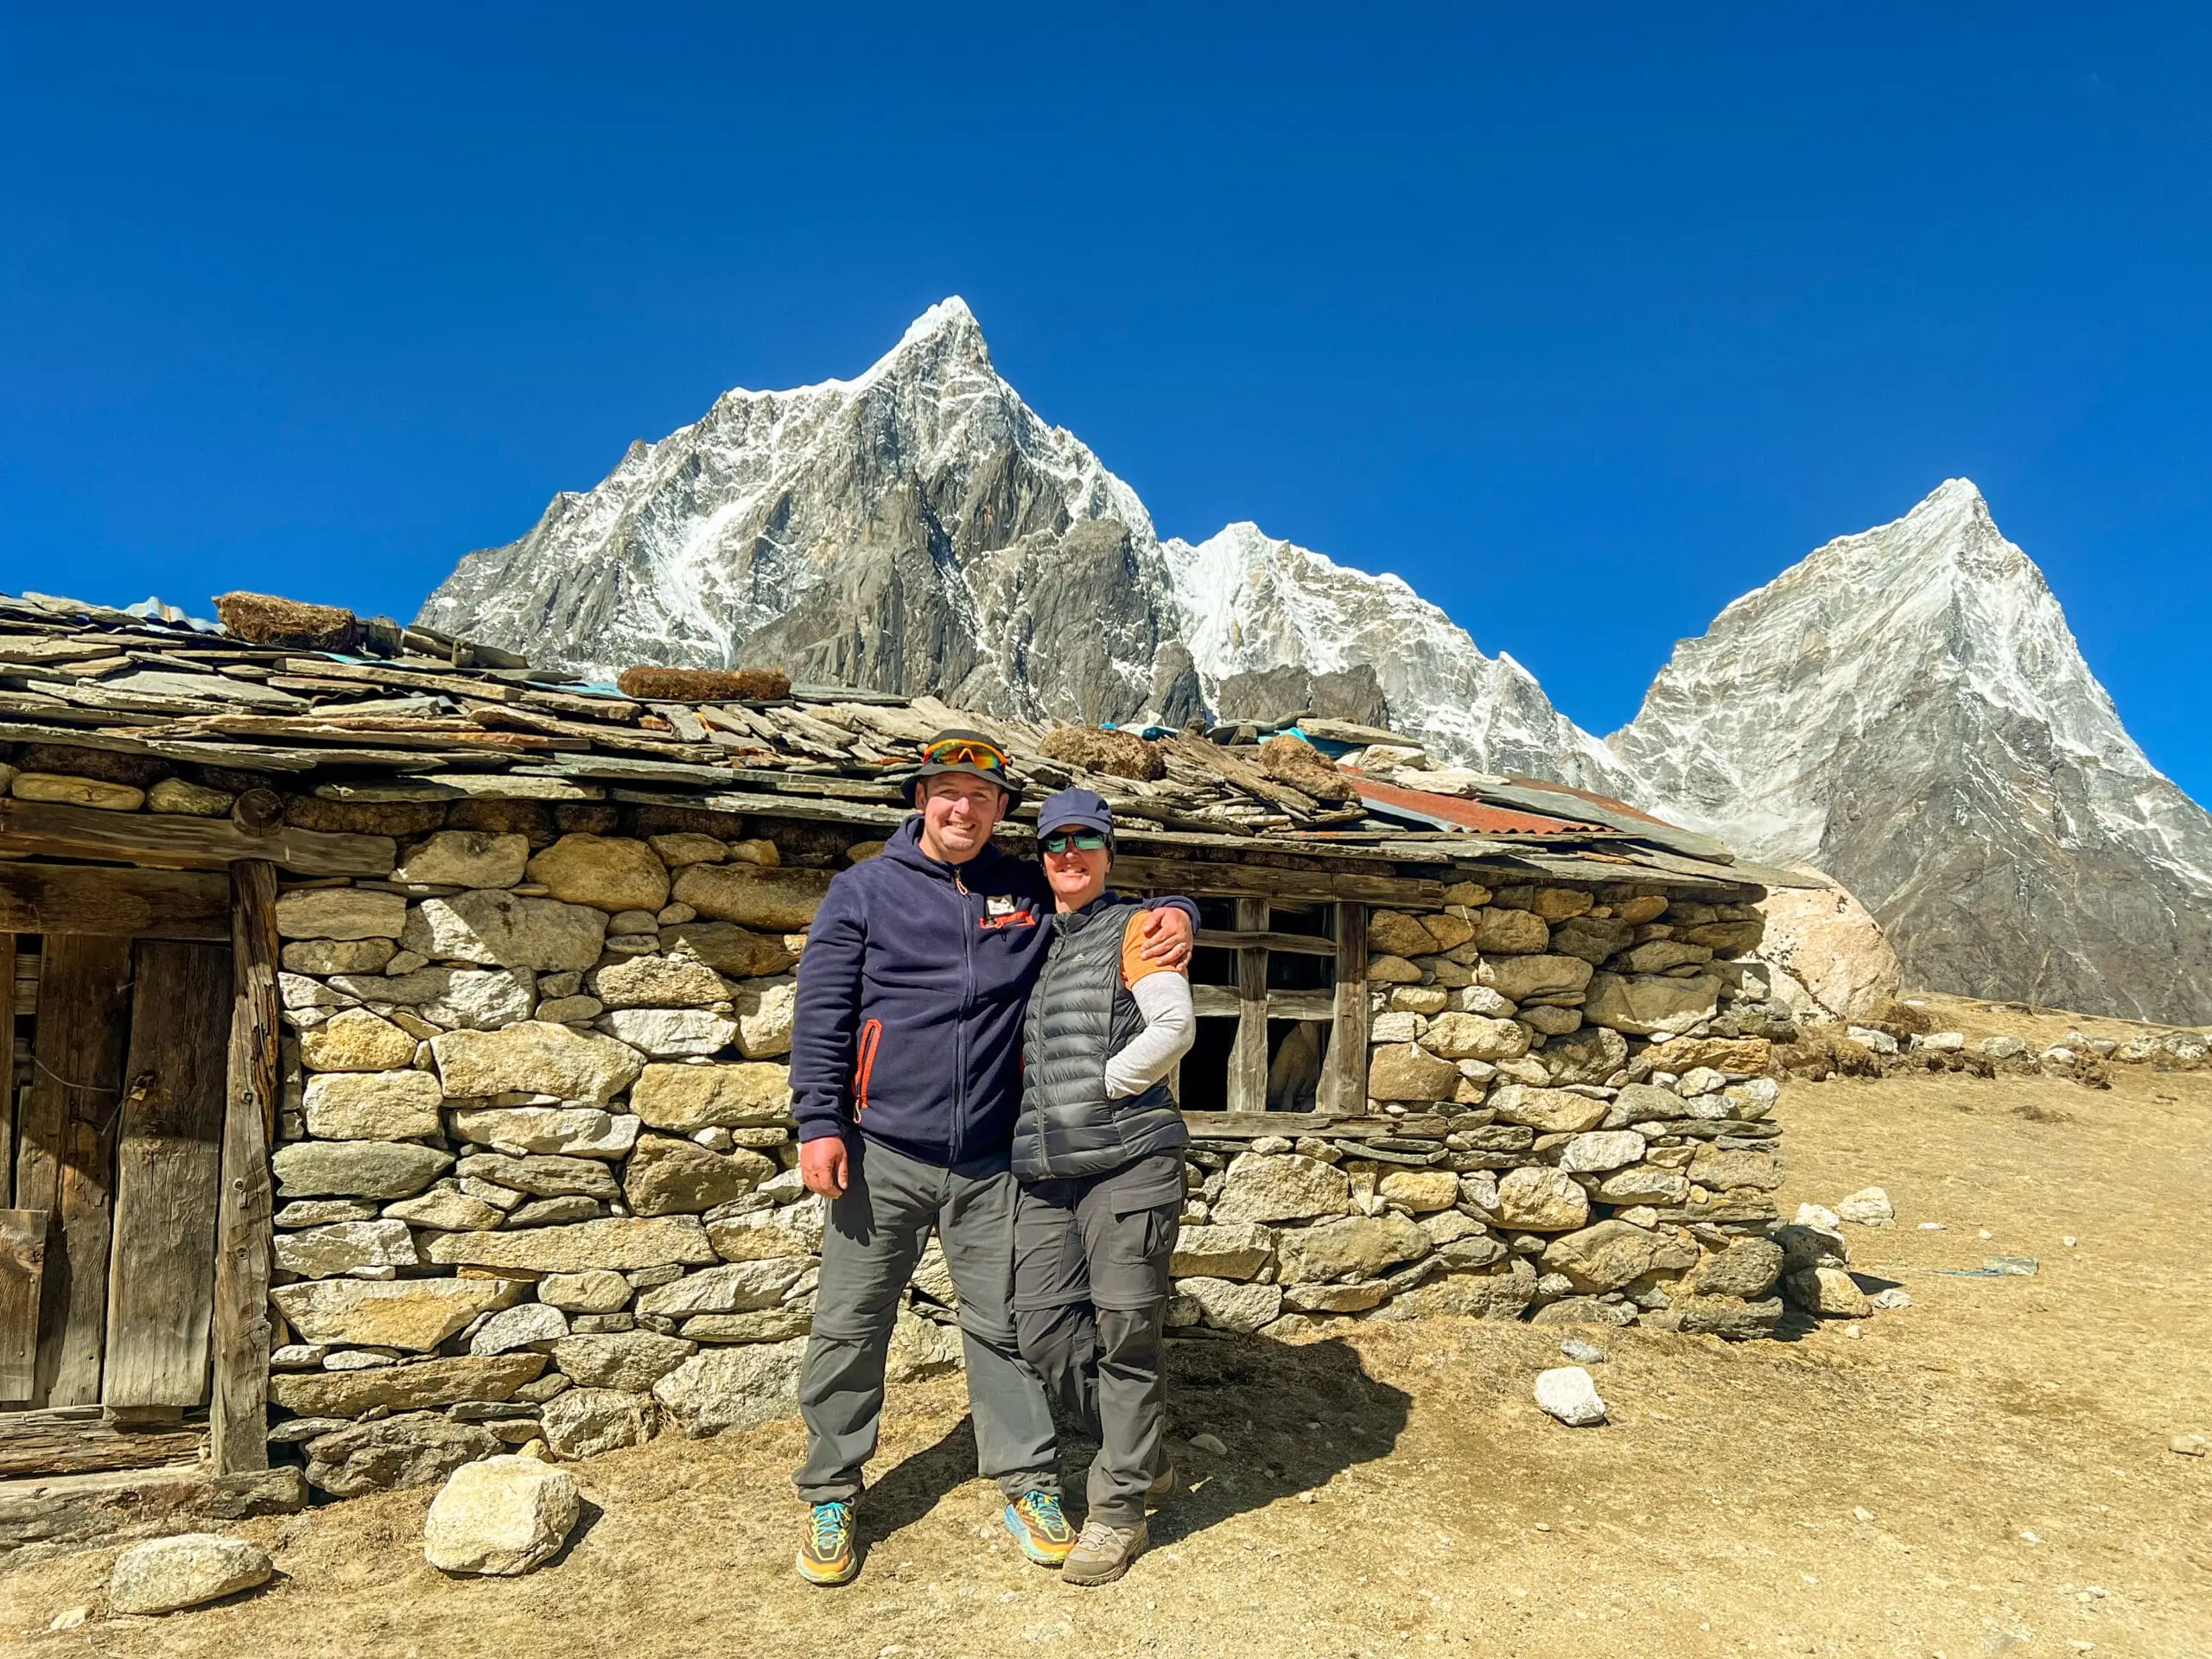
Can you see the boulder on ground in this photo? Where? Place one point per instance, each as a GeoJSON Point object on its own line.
{"type": "Point", "coordinates": [1827, 944]}
{"type": "Point", "coordinates": [1568, 1393]}
{"type": "Point", "coordinates": [186, 1570]}
{"type": "Point", "coordinates": [503, 1516]}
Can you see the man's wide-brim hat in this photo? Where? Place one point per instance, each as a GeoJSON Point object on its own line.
{"type": "Point", "coordinates": [958, 750]}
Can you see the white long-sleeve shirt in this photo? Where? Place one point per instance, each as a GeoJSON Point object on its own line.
{"type": "Point", "coordinates": [1170, 1026]}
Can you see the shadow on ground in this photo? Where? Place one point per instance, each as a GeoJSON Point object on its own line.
{"type": "Point", "coordinates": [1291, 1416]}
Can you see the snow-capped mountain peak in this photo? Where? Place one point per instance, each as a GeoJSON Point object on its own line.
{"type": "Point", "coordinates": [1248, 602]}
{"type": "Point", "coordinates": [1907, 708]}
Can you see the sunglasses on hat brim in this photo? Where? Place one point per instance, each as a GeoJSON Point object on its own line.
{"type": "Point", "coordinates": [1068, 841]}
{"type": "Point", "coordinates": [965, 751]}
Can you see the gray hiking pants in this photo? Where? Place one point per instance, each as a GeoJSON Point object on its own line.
{"type": "Point", "coordinates": [1090, 1301]}
{"type": "Point", "coordinates": [875, 1237]}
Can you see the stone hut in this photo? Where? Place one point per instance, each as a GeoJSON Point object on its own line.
{"type": "Point", "coordinates": [400, 1034]}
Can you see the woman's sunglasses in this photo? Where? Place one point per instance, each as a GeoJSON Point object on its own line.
{"type": "Point", "coordinates": [1088, 840]}
{"type": "Point", "coordinates": [965, 751]}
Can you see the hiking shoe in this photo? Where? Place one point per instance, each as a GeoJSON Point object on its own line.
{"type": "Point", "coordinates": [826, 1555]}
{"type": "Point", "coordinates": [1163, 1483]}
{"type": "Point", "coordinates": [1043, 1532]}
{"type": "Point", "coordinates": [1103, 1553]}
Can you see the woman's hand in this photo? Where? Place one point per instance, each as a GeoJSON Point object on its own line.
{"type": "Point", "coordinates": [1168, 937]}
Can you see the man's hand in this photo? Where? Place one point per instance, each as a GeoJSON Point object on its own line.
{"type": "Point", "coordinates": [1168, 938]}
{"type": "Point", "coordinates": [822, 1165]}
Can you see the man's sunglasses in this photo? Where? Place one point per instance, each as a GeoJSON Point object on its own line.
{"type": "Point", "coordinates": [1089, 841]}
{"type": "Point", "coordinates": [965, 751]}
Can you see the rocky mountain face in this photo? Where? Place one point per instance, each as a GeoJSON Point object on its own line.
{"type": "Point", "coordinates": [918, 529]}
{"type": "Point", "coordinates": [1248, 603]}
{"type": "Point", "coordinates": [1908, 710]}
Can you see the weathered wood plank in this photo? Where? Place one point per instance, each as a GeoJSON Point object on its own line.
{"type": "Point", "coordinates": [23, 1267]}
{"type": "Point", "coordinates": [237, 1415]}
{"type": "Point", "coordinates": [65, 1443]}
{"type": "Point", "coordinates": [65, 1158]}
{"type": "Point", "coordinates": [1344, 1077]}
{"type": "Point", "coordinates": [1302, 945]}
{"type": "Point", "coordinates": [1248, 1058]}
{"type": "Point", "coordinates": [1226, 1002]}
{"type": "Point", "coordinates": [169, 1168]}
{"type": "Point", "coordinates": [9, 1009]}
{"type": "Point", "coordinates": [73, 898]}
{"type": "Point", "coordinates": [1190, 877]}
{"type": "Point", "coordinates": [166, 842]}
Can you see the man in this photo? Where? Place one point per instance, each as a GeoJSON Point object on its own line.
{"type": "Point", "coordinates": [906, 1080]}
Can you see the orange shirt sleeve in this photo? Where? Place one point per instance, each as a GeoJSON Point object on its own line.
{"type": "Point", "coordinates": [1134, 966]}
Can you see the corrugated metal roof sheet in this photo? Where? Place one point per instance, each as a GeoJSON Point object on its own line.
{"type": "Point", "coordinates": [1460, 812]}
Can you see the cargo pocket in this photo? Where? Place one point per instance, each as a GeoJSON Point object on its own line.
{"type": "Point", "coordinates": [1130, 1256]}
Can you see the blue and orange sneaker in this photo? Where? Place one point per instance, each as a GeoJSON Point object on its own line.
{"type": "Point", "coordinates": [826, 1555]}
{"type": "Point", "coordinates": [1037, 1524]}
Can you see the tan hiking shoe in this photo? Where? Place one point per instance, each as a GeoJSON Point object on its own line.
{"type": "Point", "coordinates": [1103, 1553]}
{"type": "Point", "coordinates": [1163, 1483]}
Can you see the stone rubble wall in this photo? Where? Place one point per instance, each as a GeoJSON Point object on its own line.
{"type": "Point", "coordinates": [537, 1180]}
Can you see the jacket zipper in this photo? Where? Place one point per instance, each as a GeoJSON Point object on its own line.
{"type": "Point", "coordinates": [960, 1028]}
{"type": "Point", "coordinates": [871, 1037]}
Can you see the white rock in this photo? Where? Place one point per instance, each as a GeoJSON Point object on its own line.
{"type": "Point", "coordinates": [734, 1387]}
{"type": "Point", "coordinates": [504, 931]}
{"type": "Point", "coordinates": [1568, 1393]}
{"type": "Point", "coordinates": [502, 1515]}
{"type": "Point", "coordinates": [1751, 1102]}
{"type": "Point", "coordinates": [766, 1011]}
{"type": "Point", "coordinates": [520, 1326]}
{"type": "Point", "coordinates": [185, 1571]}
{"type": "Point", "coordinates": [465, 858]}
{"type": "Point", "coordinates": [1600, 1150]}
{"type": "Point", "coordinates": [466, 998]}
{"type": "Point", "coordinates": [670, 1033]}
{"type": "Point", "coordinates": [345, 1247]}
{"type": "Point", "coordinates": [584, 1422]}
{"type": "Point", "coordinates": [1940, 1042]}
{"type": "Point", "coordinates": [1233, 1306]}
{"type": "Point", "coordinates": [569, 1131]}
{"type": "Point", "coordinates": [1870, 1207]}
{"type": "Point", "coordinates": [1700, 1080]}
{"type": "Point", "coordinates": [1879, 1042]}
{"type": "Point", "coordinates": [1818, 1215]}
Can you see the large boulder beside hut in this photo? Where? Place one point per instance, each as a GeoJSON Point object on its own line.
{"type": "Point", "coordinates": [1831, 957]}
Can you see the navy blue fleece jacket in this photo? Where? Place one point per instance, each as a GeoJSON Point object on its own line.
{"type": "Point", "coordinates": [910, 994]}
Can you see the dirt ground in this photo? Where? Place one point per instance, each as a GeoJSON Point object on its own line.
{"type": "Point", "coordinates": [1986, 1471]}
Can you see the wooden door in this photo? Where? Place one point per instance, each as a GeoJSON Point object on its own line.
{"type": "Point", "coordinates": [107, 1255]}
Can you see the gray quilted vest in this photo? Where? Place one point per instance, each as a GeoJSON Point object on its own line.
{"type": "Point", "coordinates": [1080, 1014]}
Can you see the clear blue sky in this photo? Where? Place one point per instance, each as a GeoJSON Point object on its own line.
{"type": "Point", "coordinates": [1590, 315]}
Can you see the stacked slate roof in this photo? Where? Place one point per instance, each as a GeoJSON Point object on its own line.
{"type": "Point", "coordinates": [317, 701]}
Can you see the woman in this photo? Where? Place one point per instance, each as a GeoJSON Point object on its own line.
{"type": "Point", "coordinates": [1098, 1152]}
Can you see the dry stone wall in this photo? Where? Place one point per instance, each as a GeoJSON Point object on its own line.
{"type": "Point", "coordinates": [535, 1177]}
{"type": "Point", "coordinates": [537, 1180]}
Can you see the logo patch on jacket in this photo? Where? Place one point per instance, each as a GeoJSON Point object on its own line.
{"type": "Point", "coordinates": [1005, 910]}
